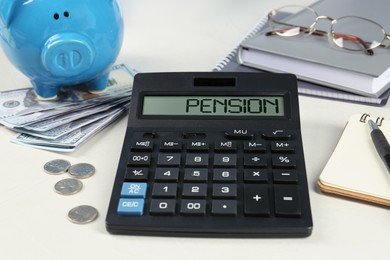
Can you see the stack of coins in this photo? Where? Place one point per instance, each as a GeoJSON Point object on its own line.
{"type": "Point", "coordinates": [81, 214]}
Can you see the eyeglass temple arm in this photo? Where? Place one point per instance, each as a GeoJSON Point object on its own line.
{"type": "Point", "coordinates": [322, 33]}
{"type": "Point", "coordinates": [387, 46]}
{"type": "Point", "coordinates": [354, 38]}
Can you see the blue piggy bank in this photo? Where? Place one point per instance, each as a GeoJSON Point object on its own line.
{"type": "Point", "coordinates": [61, 43]}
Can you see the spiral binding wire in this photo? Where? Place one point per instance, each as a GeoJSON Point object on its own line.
{"type": "Point", "coordinates": [365, 116]}
{"type": "Point", "coordinates": [259, 25]}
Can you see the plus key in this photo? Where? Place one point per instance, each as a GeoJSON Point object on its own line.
{"type": "Point", "coordinates": [256, 200]}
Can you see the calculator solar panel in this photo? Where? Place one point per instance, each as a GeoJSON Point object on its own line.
{"type": "Point", "coordinates": [212, 154]}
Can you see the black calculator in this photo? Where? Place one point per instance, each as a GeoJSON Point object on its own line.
{"type": "Point", "coordinates": [212, 154]}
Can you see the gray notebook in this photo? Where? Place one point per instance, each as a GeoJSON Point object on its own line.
{"type": "Point", "coordinates": [315, 59]}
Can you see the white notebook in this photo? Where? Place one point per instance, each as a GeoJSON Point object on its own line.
{"type": "Point", "coordinates": [315, 59]}
{"type": "Point", "coordinates": [355, 169]}
{"type": "Point", "coordinates": [230, 63]}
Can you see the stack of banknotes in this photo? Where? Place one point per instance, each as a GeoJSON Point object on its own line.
{"type": "Point", "coordinates": [74, 117]}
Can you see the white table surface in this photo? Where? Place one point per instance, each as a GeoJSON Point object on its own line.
{"type": "Point", "coordinates": [176, 35]}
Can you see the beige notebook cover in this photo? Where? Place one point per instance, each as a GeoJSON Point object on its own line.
{"type": "Point", "coordinates": [355, 169]}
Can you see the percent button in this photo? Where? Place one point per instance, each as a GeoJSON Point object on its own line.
{"type": "Point", "coordinates": [283, 161]}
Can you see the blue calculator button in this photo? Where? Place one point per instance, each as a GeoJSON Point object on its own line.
{"type": "Point", "coordinates": [134, 190]}
{"type": "Point", "coordinates": [133, 207]}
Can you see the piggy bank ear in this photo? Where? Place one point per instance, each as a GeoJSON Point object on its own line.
{"type": "Point", "coordinates": [6, 8]}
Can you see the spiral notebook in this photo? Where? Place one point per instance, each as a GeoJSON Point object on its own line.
{"type": "Point", "coordinates": [355, 169]}
{"type": "Point", "coordinates": [230, 64]}
{"type": "Point", "coordinates": [314, 59]}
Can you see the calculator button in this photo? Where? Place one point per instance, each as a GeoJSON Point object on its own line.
{"type": "Point", "coordinates": [133, 190]}
{"type": "Point", "coordinates": [139, 159]}
{"type": "Point", "coordinates": [195, 190]}
{"type": "Point", "coordinates": [255, 160]}
{"type": "Point", "coordinates": [254, 146]}
{"type": "Point", "coordinates": [169, 159]}
{"type": "Point", "coordinates": [162, 207]}
{"type": "Point", "coordinates": [167, 174]}
{"type": "Point", "coordinates": [225, 160]}
{"type": "Point", "coordinates": [287, 201]}
{"type": "Point", "coordinates": [256, 200]}
{"type": "Point", "coordinates": [283, 161]}
{"type": "Point", "coordinates": [132, 207]}
{"type": "Point", "coordinates": [225, 175]}
{"type": "Point", "coordinates": [224, 190]}
{"type": "Point", "coordinates": [193, 207]}
{"type": "Point", "coordinates": [225, 146]}
{"type": "Point", "coordinates": [170, 146]}
{"type": "Point", "coordinates": [194, 135]}
{"type": "Point", "coordinates": [224, 207]}
{"type": "Point", "coordinates": [239, 135]}
{"type": "Point", "coordinates": [164, 190]}
{"type": "Point", "coordinates": [277, 134]}
{"type": "Point", "coordinates": [197, 146]}
{"type": "Point", "coordinates": [283, 146]}
{"type": "Point", "coordinates": [150, 135]}
{"type": "Point", "coordinates": [142, 145]}
{"type": "Point", "coordinates": [196, 175]}
{"type": "Point", "coordinates": [136, 174]}
{"type": "Point", "coordinates": [201, 160]}
{"type": "Point", "coordinates": [285, 176]}
{"type": "Point", "coordinates": [255, 175]}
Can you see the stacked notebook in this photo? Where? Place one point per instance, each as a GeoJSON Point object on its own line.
{"type": "Point", "coordinates": [324, 70]}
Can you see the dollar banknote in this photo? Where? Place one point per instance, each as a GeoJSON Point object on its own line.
{"type": "Point", "coordinates": [69, 126]}
{"type": "Point", "coordinates": [24, 101]}
{"type": "Point", "coordinates": [64, 124]}
{"type": "Point", "coordinates": [53, 122]}
{"type": "Point", "coordinates": [68, 142]}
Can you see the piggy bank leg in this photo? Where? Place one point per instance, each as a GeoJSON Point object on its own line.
{"type": "Point", "coordinates": [98, 85]}
{"type": "Point", "coordinates": [45, 91]}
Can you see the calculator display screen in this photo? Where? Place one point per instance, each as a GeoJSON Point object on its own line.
{"type": "Point", "coordinates": [213, 105]}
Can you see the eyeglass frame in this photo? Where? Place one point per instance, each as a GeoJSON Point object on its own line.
{"type": "Point", "coordinates": [331, 33]}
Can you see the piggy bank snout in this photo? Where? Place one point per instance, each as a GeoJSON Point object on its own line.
{"type": "Point", "coordinates": [68, 54]}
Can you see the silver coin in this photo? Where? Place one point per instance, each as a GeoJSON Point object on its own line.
{"type": "Point", "coordinates": [81, 170]}
{"type": "Point", "coordinates": [56, 167]}
{"type": "Point", "coordinates": [83, 214]}
{"type": "Point", "coordinates": [68, 186]}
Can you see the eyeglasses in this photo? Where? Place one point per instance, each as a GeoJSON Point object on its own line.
{"type": "Point", "coordinates": [352, 33]}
